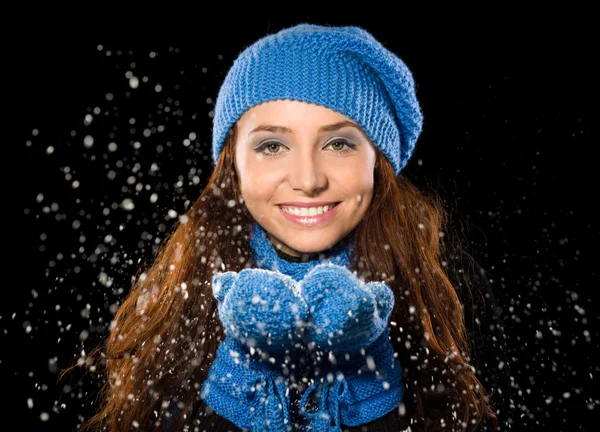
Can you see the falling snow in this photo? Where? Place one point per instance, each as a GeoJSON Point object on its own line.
{"type": "Point", "coordinates": [97, 217]}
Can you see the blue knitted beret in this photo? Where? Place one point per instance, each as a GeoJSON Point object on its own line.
{"type": "Point", "coordinates": [342, 68]}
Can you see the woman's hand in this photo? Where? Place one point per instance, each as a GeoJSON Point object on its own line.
{"type": "Point", "coordinates": [261, 308]}
{"type": "Point", "coordinates": [347, 314]}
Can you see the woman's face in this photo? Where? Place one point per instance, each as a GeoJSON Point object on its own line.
{"type": "Point", "coordinates": [296, 152]}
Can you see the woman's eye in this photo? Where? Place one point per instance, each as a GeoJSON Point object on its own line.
{"type": "Point", "coordinates": [339, 146]}
{"type": "Point", "coordinates": [269, 146]}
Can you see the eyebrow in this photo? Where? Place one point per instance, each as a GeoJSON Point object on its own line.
{"type": "Point", "coordinates": [326, 128]}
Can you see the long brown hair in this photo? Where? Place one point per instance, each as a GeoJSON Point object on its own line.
{"type": "Point", "coordinates": [164, 336]}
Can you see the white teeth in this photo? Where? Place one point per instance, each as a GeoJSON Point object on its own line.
{"type": "Point", "coordinates": [307, 211]}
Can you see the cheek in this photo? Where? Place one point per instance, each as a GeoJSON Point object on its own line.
{"type": "Point", "coordinates": [257, 184]}
{"type": "Point", "coordinates": [357, 183]}
{"type": "Point", "coordinates": [364, 193]}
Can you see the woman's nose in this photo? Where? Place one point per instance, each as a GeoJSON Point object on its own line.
{"type": "Point", "coordinates": [308, 175]}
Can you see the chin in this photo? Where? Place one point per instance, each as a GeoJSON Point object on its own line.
{"type": "Point", "coordinates": [310, 247]}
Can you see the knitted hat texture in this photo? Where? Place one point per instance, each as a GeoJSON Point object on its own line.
{"type": "Point", "coordinates": [343, 68]}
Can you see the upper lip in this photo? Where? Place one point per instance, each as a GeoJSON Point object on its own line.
{"type": "Point", "coordinates": [309, 204]}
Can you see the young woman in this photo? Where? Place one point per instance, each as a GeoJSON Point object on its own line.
{"type": "Point", "coordinates": [311, 286]}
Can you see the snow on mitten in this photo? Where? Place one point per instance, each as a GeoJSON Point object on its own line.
{"type": "Point", "coordinates": [246, 391]}
{"type": "Point", "coordinates": [356, 391]}
{"type": "Point", "coordinates": [261, 308]}
{"type": "Point", "coordinates": [347, 314]}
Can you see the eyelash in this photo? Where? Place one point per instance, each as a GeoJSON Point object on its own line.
{"type": "Point", "coordinates": [268, 143]}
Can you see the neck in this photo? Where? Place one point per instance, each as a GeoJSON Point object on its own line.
{"type": "Point", "coordinates": [294, 258]}
{"type": "Point", "coordinates": [288, 254]}
{"type": "Point", "coordinates": [267, 255]}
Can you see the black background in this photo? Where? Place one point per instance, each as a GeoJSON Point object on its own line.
{"type": "Point", "coordinates": [509, 141]}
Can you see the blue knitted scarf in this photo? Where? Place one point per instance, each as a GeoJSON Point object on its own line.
{"type": "Point", "coordinates": [282, 311]}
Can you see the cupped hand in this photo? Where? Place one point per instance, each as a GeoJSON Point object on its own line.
{"type": "Point", "coordinates": [261, 308]}
{"type": "Point", "coordinates": [347, 314]}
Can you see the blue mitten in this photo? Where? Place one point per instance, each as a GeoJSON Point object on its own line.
{"type": "Point", "coordinates": [355, 391]}
{"type": "Point", "coordinates": [347, 314]}
{"type": "Point", "coordinates": [350, 317]}
{"type": "Point", "coordinates": [245, 391]}
{"type": "Point", "coordinates": [261, 308]}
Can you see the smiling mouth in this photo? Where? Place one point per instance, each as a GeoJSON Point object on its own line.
{"type": "Point", "coordinates": [335, 204]}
